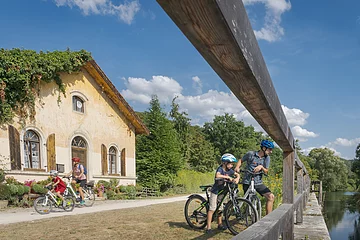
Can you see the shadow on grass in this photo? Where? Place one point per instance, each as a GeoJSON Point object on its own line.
{"type": "Point", "coordinates": [204, 235]}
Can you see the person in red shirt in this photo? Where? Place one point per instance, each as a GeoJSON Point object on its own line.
{"type": "Point", "coordinates": [58, 184]}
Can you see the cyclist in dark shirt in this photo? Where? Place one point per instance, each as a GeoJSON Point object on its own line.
{"type": "Point", "coordinates": [224, 171]}
{"type": "Point", "coordinates": [257, 161]}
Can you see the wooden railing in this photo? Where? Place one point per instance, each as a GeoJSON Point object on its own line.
{"type": "Point", "coordinates": [221, 31]}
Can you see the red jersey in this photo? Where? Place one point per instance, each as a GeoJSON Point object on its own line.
{"type": "Point", "coordinates": [61, 186]}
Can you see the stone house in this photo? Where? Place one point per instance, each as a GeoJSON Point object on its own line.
{"type": "Point", "coordinates": [93, 122]}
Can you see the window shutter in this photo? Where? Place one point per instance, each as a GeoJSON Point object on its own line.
{"type": "Point", "coordinates": [51, 155]}
{"type": "Point", "coordinates": [14, 142]}
{"type": "Point", "coordinates": [123, 163]}
{"type": "Point", "coordinates": [104, 160]}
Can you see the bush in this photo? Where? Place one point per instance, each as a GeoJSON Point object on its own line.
{"type": "Point", "coordinates": [122, 188]}
{"type": "Point", "coordinates": [2, 175]}
{"type": "Point", "coordinates": [38, 188]}
{"type": "Point", "coordinates": [104, 183]}
{"type": "Point", "coordinates": [13, 189]}
{"type": "Point", "coordinates": [21, 190]}
{"type": "Point", "coordinates": [4, 192]}
{"type": "Point", "coordinates": [114, 183]}
{"type": "Point", "coordinates": [110, 194]}
{"type": "Point", "coordinates": [26, 189]}
{"type": "Point", "coordinates": [191, 180]}
{"type": "Point", "coordinates": [130, 192]}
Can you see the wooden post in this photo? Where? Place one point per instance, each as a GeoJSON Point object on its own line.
{"type": "Point", "coordinates": [300, 190]}
{"type": "Point", "coordinates": [320, 192]}
{"type": "Point", "coordinates": [288, 191]}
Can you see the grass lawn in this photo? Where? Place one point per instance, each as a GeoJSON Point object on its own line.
{"type": "Point", "coordinates": [161, 221]}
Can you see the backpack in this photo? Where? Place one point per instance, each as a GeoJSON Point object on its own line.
{"type": "Point", "coordinates": [85, 170]}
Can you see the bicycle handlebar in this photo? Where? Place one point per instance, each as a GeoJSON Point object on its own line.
{"type": "Point", "coordinates": [253, 173]}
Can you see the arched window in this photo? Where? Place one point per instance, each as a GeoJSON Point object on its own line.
{"type": "Point", "coordinates": [112, 160]}
{"type": "Point", "coordinates": [79, 149]}
{"type": "Point", "coordinates": [32, 150]}
{"type": "Point", "coordinates": [78, 104]}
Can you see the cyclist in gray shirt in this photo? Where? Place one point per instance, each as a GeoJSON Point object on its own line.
{"type": "Point", "coordinates": [257, 161]}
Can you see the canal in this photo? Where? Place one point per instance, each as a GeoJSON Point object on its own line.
{"type": "Point", "coordinates": [341, 213]}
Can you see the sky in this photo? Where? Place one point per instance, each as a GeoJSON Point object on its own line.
{"type": "Point", "coordinates": [311, 49]}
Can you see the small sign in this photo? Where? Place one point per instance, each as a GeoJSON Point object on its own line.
{"type": "Point", "coordinates": [60, 168]}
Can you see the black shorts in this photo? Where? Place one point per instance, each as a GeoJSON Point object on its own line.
{"type": "Point", "coordinates": [82, 182]}
{"type": "Point", "coordinates": [261, 189]}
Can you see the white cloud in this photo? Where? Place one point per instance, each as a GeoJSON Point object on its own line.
{"type": "Point", "coordinates": [308, 150]}
{"type": "Point", "coordinates": [346, 142]}
{"type": "Point", "coordinates": [295, 116]}
{"type": "Point", "coordinates": [126, 11]}
{"type": "Point", "coordinates": [302, 133]}
{"type": "Point", "coordinates": [141, 90]}
{"type": "Point", "coordinates": [197, 84]}
{"type": "Point", "coordinates": [271, 31]}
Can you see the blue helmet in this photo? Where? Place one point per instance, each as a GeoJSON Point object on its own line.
{"type": "Point", "coordinates": [267, 144]}
{"type": "Point", "coordinates": [227, 157]}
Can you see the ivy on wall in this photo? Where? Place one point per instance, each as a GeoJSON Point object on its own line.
{"type": "Point", "coordinates": [22, 71]}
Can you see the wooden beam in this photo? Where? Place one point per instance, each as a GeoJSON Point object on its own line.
{"type": "Point", "coordinates": [269, 227]}
{"type": "Point", "coordinates": [222, 33]}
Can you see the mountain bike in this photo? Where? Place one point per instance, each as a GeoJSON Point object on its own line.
{"type": "Point", "coordinates": [44, 204]}
{"type": "Point", "coordinates": [238, 216]}
{"type": "Point", "coordinates": [89, 195]}
{"type": "Point", "coordinates": [196, 207]}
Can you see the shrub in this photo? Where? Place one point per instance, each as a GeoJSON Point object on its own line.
{"type": "Point", "coordinates": [191, 180]}
{"type": "Point", "coordinates": [4, 192]}
{"type": "Point", "coordinates": [122, 188]}
{"type": "Point", "coordinates": [131, 192]}
{"type": "Point", "coordinates": [2, 175]}
{"type": "Point", "coordinates": [21, 190]}
{"type": "Point", "coordinates": [26, 189]}
{"type": "Point", "coordinates": [110, 194]}
{"type": "Point", "coordinates": [114, 183]}
{"type": "Point", "coordinates": [13, 189]}
{"type": "Point", "coordinates": [38, 188]}
{"type": "Point", "coordinates": [104, 183]}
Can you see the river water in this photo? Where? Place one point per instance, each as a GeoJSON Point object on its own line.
{"type": "Point", "coordinates": [342, 216]}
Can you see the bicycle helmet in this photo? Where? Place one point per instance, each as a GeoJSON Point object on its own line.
{"type": "Point", "coordinates": [54, 173]}
{"type": "Point", "coordinates": [267, 144]}
{"type": "Point", "coordinates": [76, 159]}
{"type": "Point", "coordinates": [227, 157]}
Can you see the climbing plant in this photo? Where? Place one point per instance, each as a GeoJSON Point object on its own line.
{"type": "Point", "coordinates": [22, 71]}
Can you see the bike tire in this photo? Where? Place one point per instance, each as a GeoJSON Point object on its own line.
{"type": "Point", "coordinates": [255, 201]}
{"type": "Point", "coordinates": [196, 208]}
{"type": "Point", "coordinates": [70, 204]}
{"type": "Point", "coordinates": [239, 217]}
{"type": "Point", "coordinates": [41, 206]}
{"type": "Point", "coordinates": [89, 197]}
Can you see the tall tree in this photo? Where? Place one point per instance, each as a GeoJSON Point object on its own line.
{"type": "Point", "coordinates": [231, 136]}
{"type": "Point", "coordinates": [182, 126]}
{"type": "Point", "coordinates": [332, 171]}
{"type": "Point", "coordinates": [158, 155]}
{"type": "Point", "coordinates": [201, 152]}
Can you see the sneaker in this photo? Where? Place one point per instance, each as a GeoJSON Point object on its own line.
{"type": "Point", "coordinates": [82, 202]}
{"type": "Point", "coordinates": [222, 227]}
{"type": "Point", "coordinates": [208, 231]}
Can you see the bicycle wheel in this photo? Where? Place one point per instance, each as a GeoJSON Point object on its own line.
{"type": "Point", "coordinates": [196, 208]}
{"type": "Point", "coordinates": [255, 201]}
{"type": "Point", "coordinates": [89, 197]}
{"type": "Point", "coordinates": [70, 204]}
{"type": "Point", "coordinates": [43, 205]}
{"type": "Point", "coordinates": [240, 216]}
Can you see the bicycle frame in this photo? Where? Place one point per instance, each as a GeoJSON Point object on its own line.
{"type": "Point", "coordinates": [251, 194]}
{"type": "Point", "coordinates": [50, 196]}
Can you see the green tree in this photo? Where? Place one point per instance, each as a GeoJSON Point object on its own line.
{"type": "Point", "coordinates": [332, 171]}
{"type": "Point", "coordinates": [228, 135]}
{"type": "Point", "coordinates": [158, 155]}
{"type": "Point", "coordinates": [182, 126]}
{"type": "Point", "coordinates": [201, 152]}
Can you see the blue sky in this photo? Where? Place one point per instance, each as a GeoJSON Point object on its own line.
{"type": "Point", "coordinates": [311, 48]}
